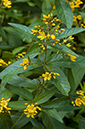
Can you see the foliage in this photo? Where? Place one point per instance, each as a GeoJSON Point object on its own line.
{"type": "Point", "coordinates": [42, 64]}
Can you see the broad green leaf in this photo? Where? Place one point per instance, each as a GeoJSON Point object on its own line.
{"type": "Point", "coordinates": [6, 47]}
{"type": "Point", "coordinates": [24, 93]}
{"type": "Point", "coordinates": [6, 94]}
{"type": "Point", "coordinates": [36, 124]}
{"type": "Point", "coordinates": [51, 123]}
{"type": "Point", "coordinates": [68, 107]}
{"type": "Point", "coordinates": [64, 12]}
{"type": "Point", "coordinates": [66, 62]}
{"type": "Point", "coordinates": [18, 105]}
{"type": "Point", "coordinates": [14, 69]}
{"type": "Point", "coordinates": [18, 49]}
{"type": "Point", "coordinates": [7, 55]}
{"type": "Point", "coordinates": [23, 31]}
{"type": "Point", "coordinates": [42, 98]}
{"type": "Point", "coordinates": [2, 33]}
{"type": "Point", "coordinates": [5, 121]}
{"type": "Point", "coordinates": [46, 7]}
{"type": "Point", "coordinates": [56, 103]}
{"type": "Point", "coordinates": [81, 37]}
{"type": "Point", "coordinates": [22, 82]}
{"type": "Point", "coordinates": [23, 121]}
{"type": "Point", "coordinates": [33, 49]}
{"type": "Point", "coordinates": [14, 40]}
{"type": "Point", "coordinates": [69, 31]}
{"type": "Point", "coordinates": [61, 81]}
{"type": "Point", "coordinates": [63, 48]}
{"type": "Point", "coordinates": [53, 113]}
{"type": "Point", "coordinates": [81, 122]}
{"type": "Point", "coordinates": [75, 77]}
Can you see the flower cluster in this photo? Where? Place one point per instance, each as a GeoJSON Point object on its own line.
{"type": "Point", "coordinates": [4, 104]}
{"type": "Point", "coordinates": [21, 54]}
{"type": "Point", "coordinates": [47, 75]}
{"type": "Point", "coordinates": [66, 41]}
{"type": "Point", "coordinates": [72, 57]}
{"type": "Point", "coordinates": [25, 63]}
{"type": "Point", "coordinates": [75, 4]}
{"type": "Point", "coordinates": [80, 100]}
{"type": "Point", "coordinates": [83, 24]}
{"type": "Point", "coordinates": [7, 3]}
{"type": "Point", "coordinates": [49, 31]}
{"type": "Point", "coordinates": [2, 62]}
{"type": "Point", "coordinates": [76, 19]}
{"type": "Point", "coordinates": [31, 110]}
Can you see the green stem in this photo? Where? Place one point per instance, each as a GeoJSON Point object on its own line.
{"type": "Point", "coordinates": [17, 121]}
{"type": "Point", "coordinates": [45, 55]}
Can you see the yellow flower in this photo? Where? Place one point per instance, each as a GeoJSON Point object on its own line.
{"type": "Point", "coordinates": [78, 102]}
{"type": "Point", "coordinates": [31, 110]}
{"type": "Point", "coordinates": [53, 6]}
{"type": "Point", "coordinates": [53, 24]}
{"type": "Point", "coordinates": [72, 57]}
{"type": "Point", "coordinates": [46, 17]}
{"type": "Point", "coordinates": [62, 29]}
{"type": "Point", "coordinates": [34, 31]}
{"type": "Point", "coordinates": [74, 48]}
{"type": "Point", "coordinates": [7, 3]}
{"type": "Point", "coordinates": [75, 4]}
{"type": "Point", "coordinates": [52, 36]}
{"type": "Point", "coordinates": [46, 23]}
{"type": "Point", "coordinates": [48, 36]}
{"type": "Point", "coordinates": [42, 35]}
{"type": "Point", "coordinates": [79, 17]}
{"type": "Point", "coordinates": [68, 45]}
{"type": "Point", "coordinates": [9, 62]}
{"type": "Point", "coordinates": [83, 100]}
{"type": "Point", "coordinates": [47, 76]}
{"type": "Point", "coordinates": [2, 62]}
{"type": "Point", "coordinates": [80, 92]}
{"type": "Point", "coordinates": [25, 63]}
{"type": "Point", "coordinates": [4, 104]}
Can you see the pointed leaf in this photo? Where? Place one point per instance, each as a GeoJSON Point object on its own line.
{"type": "Point", "coordinates": [42, 98]}
{"type": "Point", "coordinates": [20, 91]}
{"type": "Point", "coordinates": [69, 31]}
{"type": "Point", "coordinates": [64, 12]}
{"type": "Point", "coordinates": [53, 113]}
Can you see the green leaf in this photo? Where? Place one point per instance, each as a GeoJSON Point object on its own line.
{"type": "Point", "coordinates": [6, 94]}
{"type": "Point", "coordinates": [75, 76]}
{"type": "Point", "coordinates": [56, 103]}
{"type": "Point", "coordinates": [69, 31]}
{"type": "Point", "coordinates": [81, 122]}
{"type": "Point", "coordinates": [51, 123]}
{"type": "Point", "coordinates": [14, 41]}
{"type": "Point", "coordinates": [64, 12]}
{"type": "Point", "coordinates": [22, 82]}
{"type": "Point", "coordinates": [36, 124]}
{"type": "Point", "coordinates": [18, 105]}
{"type": "Point", "coordinates": [24, 93]}
{"type": "Point", "coordinates": [61, 81]}
{"type": "Point", "coordinates": [63, 48]}
{"type": "Point", "coordinates": [23, 120]}
{"type": "Point", "coordinates": [46, 7]}
{"type": "Point", "coordinates": [18, 49]}
{"type": "Point", "coordinates": [42, 98]}
{"type": "Point", "coordinates": [5, 121]}
{"type": "Point", "coordinates": [14, 69]}
{"type": "Point", "coordinates": [23, 31]}
{"type": "Point", "coordinates": [2, 33]}
{"type": "Point", "coordinates": [53, 113]}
